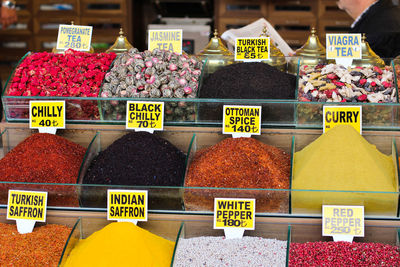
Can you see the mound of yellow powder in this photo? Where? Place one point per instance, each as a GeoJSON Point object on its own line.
{"type": "Point", "coordinates": [122, 244]}
{"type": "Point", "coordinates": [341, 159]}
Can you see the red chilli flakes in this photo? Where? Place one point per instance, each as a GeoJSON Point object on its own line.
{"type": "Point", "coordinates": [42, 247]}
{"type": "Point", "coordinates": [44, 158]}
{"type": "Point", "coordinates": [239, 163]}
{"type": "Point", "coordinates": [343, 254]}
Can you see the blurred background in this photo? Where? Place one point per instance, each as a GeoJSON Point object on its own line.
{"type": "Point", "coordinates": [38, 20]}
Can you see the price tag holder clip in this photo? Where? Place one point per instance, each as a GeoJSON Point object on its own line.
{"type": "Point", "coordinates": [26, 208]}
{"type": "Point", "coordinates": [145, 116]}
{"type": "Point", "coordinates": [343, 223]}
{"type": "Point", "coordinates": [47, 116]}
{"type": "Point", "coordinates": [234, 216]}
{"type": "Point", "coordinates": [127, 205]}
{"type": "Point", "coordinates": [343, 47]}
{"type": "Point", "coordinates": [241, 121]}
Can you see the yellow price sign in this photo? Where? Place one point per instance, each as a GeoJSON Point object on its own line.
{"type": "Point", "coordinates": [234, 213]}
{"type": "Point", "coordinates": [338, 115]}
{"type": "Point", "coordinates": [75, 37]}
{"type": "Point", "coordinates": [47, 114]}
{"type": "Point", "coordinates": [170, 40]}
{"type": "Point", "coordinates": [252, 49]}
{"type": "Point", "coordinates": [242, 121]}
{"type": "Point", "coordinates": [343, 46]}
{"type": "Point", "coordinates": [27, 205]}
{"type": "Point", "coordinates": [127, 205]}
{"type": "Point", "coordinates": [147, 116]}
{"type": "Point", "coordinates": [342, 220]}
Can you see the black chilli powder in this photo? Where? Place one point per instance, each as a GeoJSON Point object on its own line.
{"type": "Point", "coordinates": [138, 158]}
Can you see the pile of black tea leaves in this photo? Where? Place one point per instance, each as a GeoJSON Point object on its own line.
{"type": "Point", "coordinates": [253, 80]}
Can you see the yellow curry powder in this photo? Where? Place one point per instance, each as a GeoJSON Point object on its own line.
{"type": "Point", "coordinates": [342, 159]}
{"type": "Point", "coordinates": [122, 244]}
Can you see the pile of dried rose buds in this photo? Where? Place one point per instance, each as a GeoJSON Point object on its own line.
{"type": "Point", "coordinates": [153, 74]}
{"type": "Point", "coordinates": [71, 74]}
{"type": "Point", "coordinates": [335, 83]}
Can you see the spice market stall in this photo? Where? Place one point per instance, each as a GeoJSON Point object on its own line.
{"type": "Point", "coordinates": [291, 169]}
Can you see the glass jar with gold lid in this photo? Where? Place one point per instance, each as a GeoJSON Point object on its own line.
{"type": "Point", "coordinates": [276, 57]}
{"type": "Point", "coordinates": [216, 53]}
{"type": "Point", "coordinates": [311, 53]}
{"type": "Point", "coordinates": [120, 45]}
{"type": "Point", "coordinates": [368, 56]}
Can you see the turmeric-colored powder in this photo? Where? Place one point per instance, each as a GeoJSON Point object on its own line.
{"type": "Point", "coordinates": [122, 244]}
{"type": "Point", "coordinates": [341, 159]}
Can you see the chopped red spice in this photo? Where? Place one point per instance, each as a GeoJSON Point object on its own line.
{"type": "Point", "coordinates": [44, 158]}
{"type": "Point", "coordinates": [239, 163]}
{"type": "Point", "coordinates": [343, 254]}
{"type": "Point", "coordinates": [42, 247]}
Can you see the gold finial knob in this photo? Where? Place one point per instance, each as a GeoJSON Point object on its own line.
{"type": "Point", "coordinates": [121, 32]}
{"type": "Point", "coordinates": [215, 33]}
{"type": "Point", "coordinates": [264, 32]}
{"type": "Point", "coordinates": [72, 22]}
{"type": "Point", "coordinates": [313, 31]}
{"type": "Point", "coordinates": [363, 38]}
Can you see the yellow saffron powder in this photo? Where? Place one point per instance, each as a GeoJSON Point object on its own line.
{"type": "Point", "coordinates": [122, 244]}
{"type": "Point", "coordinates": [341, 159]}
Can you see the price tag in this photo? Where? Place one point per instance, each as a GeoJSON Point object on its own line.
{"type": "Point", "coordinates": [252, 49]}
{"type": "Point", "coordinates": [338, 115]}
{"type": "Point", "coordinates": [170, 40]}
{"type": "Point", "coordinates": [145, 116]}
{"type": "Point", "coordinates": [26, 207]}
{"type": "Point", "coordinates": [127, 205]}
{"type": "Point", "coordinates": [242, 121]}
{"type": "Point", "coordinates": [343, 47]}
{"type": "Point", "coordinates": [75, 37]}
{"type": "Point", "coordinates": [234, 215]}
{"type": "Point", "coordinates": [342, 222]}
{"type": "Point", "coordinates": [47, 116]}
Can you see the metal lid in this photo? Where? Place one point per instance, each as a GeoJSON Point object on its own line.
{"type": "Point", "coordinates": [313, 47]}
{"type": "Point", "coordinates": [368, 55]}
{"type": "Point", "coordinates": [120, 45]}
{"type": "Point", "coordinates": [215, 47]}
{"type": "Point", "coordinates": [274, 51]}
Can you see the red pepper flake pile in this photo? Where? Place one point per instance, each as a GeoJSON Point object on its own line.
{"type": "Point", "coordinates": [343, 254]}
{"type": "Point", "coordinates": [44, 158]}
{"type": "Point", "coordinates": [242, 163]}
{"type": "Point", "coordinates": [42, 247]}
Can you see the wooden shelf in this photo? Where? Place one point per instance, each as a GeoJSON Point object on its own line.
{"type": "Point", "coordinates": [292, 18]}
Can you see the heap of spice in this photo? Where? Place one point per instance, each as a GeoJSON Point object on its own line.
{"type": "Point", "coordinates": [218, 251]}
{"type": "Point", "coordinates": [137, 158]}
{"type": "Point", "coordinates": [239, 163]}
{"type": "Point", "coordinates": [342, 160]}
{"type": "Point", "coordinates": [42, 247]}
{"type": "Point", "coordinates": [335, 83]}
{"type": "Point", "coordinates": [73, 74]}
{"type": "Point", "coordinates": [45, 158]}
{"type": "Point", "coordinates": [343, 254]}
{"type": "Point", "coordinates": [122, 244]}
{"type": "Point", "coordinates": [153, 74]}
